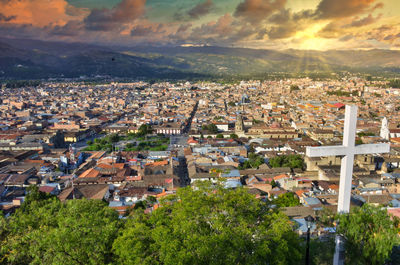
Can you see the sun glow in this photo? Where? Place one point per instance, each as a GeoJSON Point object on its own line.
{"type": "Point", "coordinates": [308, 39]}
{"type": "Point", "coordinates": [314, 44]}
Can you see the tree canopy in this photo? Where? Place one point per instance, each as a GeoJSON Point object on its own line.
{"type": "Point", "coordinates": [292, 161]}
{"type": "Point", "coordinates": [205, 224]}
{"type": "Point", "coordinates": [253, 161]}
{"type": "Point", "coordinates": [288, 199]}
{"type": "Point", "coordinates": [233, 136]}
{"type": "Point", "coordinates": [370, 234]}
{"type": "Point", "coordinates": [144, 129]}
{"type": "Point", "coordinates": [212, 128]}
{"type": "Point", "coordinates": [209, 225]}
{"type": "Point", "coordinates": [47, 231]}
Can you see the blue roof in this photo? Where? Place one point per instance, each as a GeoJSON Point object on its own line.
{"type": "Point", "coordinates": [311, 200]}
{"type": "Point", "coordinates": [303, 226]}
{"type": "Point", "coordinates": [232, 183]}
{"type": "Point", "coordinates": [233, 173]}
{"type": "Point", "coordinates": [115, 204]}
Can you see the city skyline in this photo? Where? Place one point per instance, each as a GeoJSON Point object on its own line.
{"type": "Point", "coordinates": [279, 24]}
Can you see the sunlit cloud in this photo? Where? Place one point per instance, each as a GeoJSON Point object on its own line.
{"type": "Point", "coordinates": [269, 24]}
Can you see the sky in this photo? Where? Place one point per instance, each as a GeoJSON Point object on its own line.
{"type": "Point", "coordinates": [261, 24]}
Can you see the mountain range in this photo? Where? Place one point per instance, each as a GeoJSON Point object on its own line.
{"type": "Point", "coordinates": [34, 59]}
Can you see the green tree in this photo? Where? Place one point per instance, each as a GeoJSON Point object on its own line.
{"type": "Point", "coordinates": [208, 225]}
{"type": "Point", "coordinates": [35, 197]}
{"type": "Point", "coordinates": [395, 83]}
{"type": "Point", "coordinates": [288, 199]}
{"type": "Point", "coordinates": [89, 142]}
{"type": "Point", "coordinates": [322, 250]}
{"type": "Point", "coordinates": [75, 232]}
{"type": "Point", "coordinates": [292, 161]}
{"type": "Point", "coordinates": [233, 136]}
{"type": "Point", "coordinates": [144, 130]}
{"type": "Point", "coordinates": [231, 104]}
{"type": "Point", "coordinates": [212, 128]}
{"type": "Point", "coordinates": [253, 161]}
{"type": "Point", "coordinates": [113, 138]}
{"type": "Point", "coordinates": [294, 88]}
{"type": "Point", "coordinates": [220, 136]}
{"type": "Point", "coordinates": [273, 184]}
{"type": "Point", "coordinates": [369, 233]}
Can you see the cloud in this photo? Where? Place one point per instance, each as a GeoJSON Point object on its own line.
{"type": "Point", "coordinates": [146, 30]}
{"type": "Point", "coordinates": [111, 19]}
{"type": "Point", "coordinates": [281, 17]}
{"type": "Point", "coordinates": [184, 27]}
{"type": "Point", "coordinates": [38, 12]}
{"type": "Point", "coordinates": [222, 26]}
{"type": "Point", "coordinates": [201, 9]}
{"type": "Point", "coordinates": [282, 32]}
{"type": "Point", "coordinates": [256, 11]}
{"type": "Point", "coordinates": [72, 28]}
{"type": "Point", "coordinates": [363, 22]}
{"type": "Point", "coordinates": [332, 30]}
{"type": "Point", "coordinates": [346, 38]}
{"type": "Point", "coordinates": [5, 18]}
{"type": "Point", "coordinates": [287, 23]}
{"type": "Point", "coordinates": [328, 9]}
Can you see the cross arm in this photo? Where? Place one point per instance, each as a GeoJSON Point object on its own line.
{"type": "Point", "coordinates": [326, 151]}
{"type": "Point", "coordinates": [372, 148]}
{"type": "Point", "coordinates": [343, 150]}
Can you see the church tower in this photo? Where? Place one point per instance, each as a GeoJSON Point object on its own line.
{"type": "Point", "coordinates": [385, 133]}
{"type": "Point", "coordinates": [239, 128]}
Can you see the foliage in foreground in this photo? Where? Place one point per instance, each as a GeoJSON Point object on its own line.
{"type": "Point", "coordinates": [206, 225]}
{"type": "Point", "coordinates": [209, 226]}
{"type": "Point", "coordinates": [370, 234]}
{"type": "Point", "coordinates": [50, 232]}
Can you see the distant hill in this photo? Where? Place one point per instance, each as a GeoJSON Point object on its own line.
{"type": "Point", "coordinates": [29, 59]}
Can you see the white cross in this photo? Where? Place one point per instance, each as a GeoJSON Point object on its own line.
{"type": "Point", "coordinates": [347, 150]}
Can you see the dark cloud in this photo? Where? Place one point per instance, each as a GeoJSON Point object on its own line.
{"type": "Point", "coordinates": [141, 31]}
{"type": "Point", "coordinates": [184, 27]}
{"type": "Point", "coordinates": [281, 17]}
{"type": "Point", "coordinates": [363, 22]}
{"type": "Point", "coordinates": [224, 31]}
{"type": "Point", "coordinates": [111, 19]}
{"type": "Point", "coordinates": [201, 9]}
{"type": "Point", "coordinates": [327, 9]}
{"type": "Point", "coordinates": [287, 23]}
{"type": "Point", "coordinates": [221, 27]}
{"type": "Point", "coordinates": [4, 18]}
{"type": "Point", "coordinates": [346, 38]}
{"type": "Point", "coordinates": [330, 31]}
{"type": "Point", "coordinates": [392, 37]}
{"type": "Point", "coordinates": [256, 11]}
{"type": "Point", "coordinates": [72, 28]}
{"type": "Point", "coordinates": [281, 32]}
{"type": "Point", "coordinates": [146, 30]}
{"type": "Point", "coordinates": [384, 28]}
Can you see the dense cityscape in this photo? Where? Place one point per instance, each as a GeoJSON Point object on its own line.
{"type": "Point", "coordinates": [134, 144]}
{"type": "Point", "coordinates": [200, 132]}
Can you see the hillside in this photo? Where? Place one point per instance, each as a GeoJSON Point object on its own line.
{"type": "Point", "coordinates": [28, 59]}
